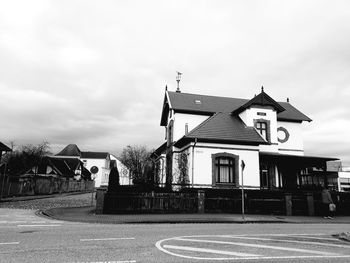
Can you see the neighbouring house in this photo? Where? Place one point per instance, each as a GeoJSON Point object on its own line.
{"type": "Point", "coordinates": [104, 161]}
{"type": "Point", "coordinates": [210, 141]}
{"type": "Point", "coordinates": [3, 148]}
{"type": "Point", "coordinates": [60, 167]}
{"type": "Point", "coordinates": [343, 175]}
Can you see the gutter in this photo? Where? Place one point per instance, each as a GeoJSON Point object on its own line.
{"type": "Point", "coordinates": [194, 145]}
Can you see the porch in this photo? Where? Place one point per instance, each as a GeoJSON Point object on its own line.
{"type": "Point", "coordinates": [291, 172]}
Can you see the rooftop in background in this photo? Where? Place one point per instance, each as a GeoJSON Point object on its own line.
{"type": "Point", "coordinates": [4, 148]}
{"type": "Point", "coordinates": [72, 150]}
{"type": "Point", "coordinates": [94, 155]}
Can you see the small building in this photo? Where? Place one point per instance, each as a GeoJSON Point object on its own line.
{"type": "Point", "coordinates": [210, 141]}
{"type": "Point", "coordinates": [104, 162]}
{"type": "Point", "coordinates": [60, 167]}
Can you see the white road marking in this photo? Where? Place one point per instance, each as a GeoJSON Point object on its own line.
{"type": "Point", "coordinates": [36, 225]}
{"type": "Point", "coordinates": [123, 261]}
{"type": "Point", "coordinates": [106, 239]}
{"type": "Point", "coordinates": [9, 243]}
{"type": "Point", "coordinates": [256, 246]}
{"type": "Point", "coordinates": [214, 251]}
{"type": "Point", "coordinates": [320, 238]}
{"type": "Point", "coordinates": [291, 241]}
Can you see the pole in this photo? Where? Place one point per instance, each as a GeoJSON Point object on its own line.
{"type": "Point", "coordinates": [242, 166]}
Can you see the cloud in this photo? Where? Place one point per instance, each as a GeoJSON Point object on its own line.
{"type": "Point", "coordinates": [93, 73]}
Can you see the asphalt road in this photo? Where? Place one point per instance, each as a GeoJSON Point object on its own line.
{"type": "Point", "coordinates": [25, 237]}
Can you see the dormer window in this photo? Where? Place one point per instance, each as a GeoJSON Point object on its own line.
{"type": "Point", "coordinates": [262, 127]}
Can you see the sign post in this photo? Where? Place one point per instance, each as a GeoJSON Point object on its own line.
{"type": "Point", "coordinates": [242, 166]}
{"type": "Point", "coordinates": [94, 171]}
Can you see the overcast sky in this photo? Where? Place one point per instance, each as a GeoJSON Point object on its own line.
{"type": "Point", "coordinates": [93, 72]}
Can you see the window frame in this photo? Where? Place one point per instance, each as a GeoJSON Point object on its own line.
{"type": "Point", "coordinates": [235, 169]}
{"type": "Point", "coordinates": [267, 123]}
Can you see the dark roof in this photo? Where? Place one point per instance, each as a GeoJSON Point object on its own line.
{"type": "Point", "coordinates": [4, 148]}
{"type": "Point", "coordinates": [62, 167]}
{"type": "Point", "coordinates": [73, 163]}
{"type": "Point", "coordinates": [70, 150]}
{"type": "Point", "coordinates": [208, 105]}
{"type": "Point", "coordinates": [300, 159]}
{"type": "Point", "coordinates": [261, 100]}
{"type": "Point", "coordinates": [223, 128]}
{"type": "Point", "coordinates": [94, 155]}
{"type": "Point", "coordinates": [157, 152]}
{"type": "Point", "coordinates": [59, 165]}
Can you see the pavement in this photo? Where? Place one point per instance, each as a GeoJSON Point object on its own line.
{"type": "Point", "coordinates": [36, 197]}
{"type": "Point", "coordinates": [87, 214]}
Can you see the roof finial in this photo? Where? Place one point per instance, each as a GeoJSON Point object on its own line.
{"type": "Point", "coordinates": [262, 88]}
{"type": "Point", "coordinates": [178, 78]}
{"type": "Point", "coordinates": [287, 99]}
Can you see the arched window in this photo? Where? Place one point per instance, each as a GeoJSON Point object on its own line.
{"type": "Point", "coordinates": [225, 169]}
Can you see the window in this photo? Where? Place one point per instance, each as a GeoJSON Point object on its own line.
{"type": "Point", "coordinates": [225, 169]}
{"type": "Point", "coordinates": [261, 126]}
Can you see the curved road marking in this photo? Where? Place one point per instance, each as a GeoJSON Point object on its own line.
{"type": "Point", "coordinates": [163, 248]}
{"type": "Point", "coordinates": [291, 241]}
{"type": "Point", "coordinates": [214, 251]}
{"type": "Point", "coordinates": [309, 251]}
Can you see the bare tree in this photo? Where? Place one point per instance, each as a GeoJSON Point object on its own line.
{"type": "Point", "coordinates": [25, 157]}
{"type": "Point", "coordinates": [137, 159]}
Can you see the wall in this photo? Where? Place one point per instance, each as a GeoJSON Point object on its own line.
{"type": "Point", "coordinates": [43, 186]}
{"type": "Point", "coordinates": [180, 120]}
{"type": "Point", "coordinates": [203, 162]}
{"type": "Point", "coordinates": [294, 145]}
{"type": "Point", "coordinates": [124, 174]}
{"type": "Point", "coordinates": [103, 169]}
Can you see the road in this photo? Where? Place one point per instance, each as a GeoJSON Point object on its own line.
{"type": "Point", "coordinates": [26, 237]}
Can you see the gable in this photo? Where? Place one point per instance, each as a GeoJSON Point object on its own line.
{"type": "Point", "coordinates": [262, 100]}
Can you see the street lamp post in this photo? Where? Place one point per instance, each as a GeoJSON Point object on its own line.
{"type": "Point", "coordinates": [242, 166]}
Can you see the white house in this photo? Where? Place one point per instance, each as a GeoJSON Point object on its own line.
{"type": "Point", "coordinates": [124, 174]}
{"type": "Point", "coordinates": [104, 162]}
{"type": "Point", "coordinates": [218, 136]}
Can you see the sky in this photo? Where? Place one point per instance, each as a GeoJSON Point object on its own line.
{"type": "Point", "coordinates": [93, 73]}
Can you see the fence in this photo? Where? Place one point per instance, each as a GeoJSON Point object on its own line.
{"type": "Point", "coordinates": [218, 201]}
{"type": "Point", "coordinates": [41, 186]}
{"type": "Point", "coordinates": [115, 203]}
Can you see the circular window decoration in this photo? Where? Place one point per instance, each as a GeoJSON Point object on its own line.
{"type": "Point", "coordinates": [283, 134]}
{"type": "Point", "coordinates": [94, 169]}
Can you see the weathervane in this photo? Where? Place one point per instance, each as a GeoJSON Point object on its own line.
{"type": "Point", "coordinates": [178, 78]}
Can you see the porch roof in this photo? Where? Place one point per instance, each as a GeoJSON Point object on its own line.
{"type": "Point", "coordinates": [305, 161]}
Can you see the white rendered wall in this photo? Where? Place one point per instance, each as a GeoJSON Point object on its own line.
{"type": "Point", "coordinates": [124, 174]}
{"type": "Point", "coordinates": [180, 120]}
{"type": "Point", "coordinates": [249, 115]}
{"type": "Point", "coordinates": [294, 145]}
{"type": "Point", "coordinates": [203, 163]}
{"type": "Point", "coordinates": [101, 165]}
